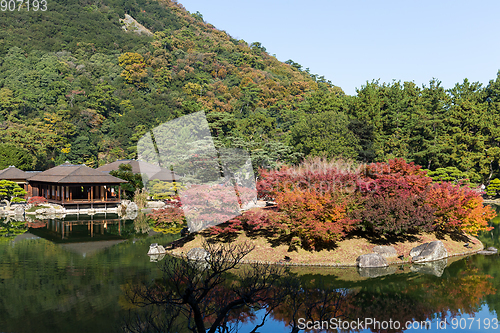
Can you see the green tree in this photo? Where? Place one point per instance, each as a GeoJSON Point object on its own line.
{"type": "Point", "coordinates": [493, 188]}
{"type": "Point", "coordinates": [10, 192]}
{"type": "Point", "coordinates": [17, 156]}
{"type": "Point", "coordinates": [103, 99]}
{"type": "Point", "coordinates": [448, 174]}
{"type": "Point", "coordinates": [134, 180]}
{"type": "Point", "coordinates": [325, 134]}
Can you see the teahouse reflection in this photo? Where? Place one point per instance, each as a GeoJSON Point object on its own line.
{"type": "Point", "coordinates": [79, 227]}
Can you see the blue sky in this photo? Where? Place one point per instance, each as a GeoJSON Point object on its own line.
{"type": "Point", "coordinates": [351, 42]}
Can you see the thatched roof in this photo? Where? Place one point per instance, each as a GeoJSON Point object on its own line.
{"type": "Point", "coordinates": [137, 167]}
{"type": "Point", "coordinates": [74, 174]}
{"type": "Point", "coordinates": [12, 173]}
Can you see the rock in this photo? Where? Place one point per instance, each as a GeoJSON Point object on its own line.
{"type": "Point", "coordinates": [428, 252]}
{"type": "Point", "coordinates": [491, 248]}
{"type": "Point", "coordinates": [385, 251]}
{"type": "Point", "coordinates": [130, 24]}
{"type": "Point", "coordinates": [46, 211]}
{"type": "Point", "coordinates": [487, 252]}
{"type": "Point", "coordinates": [373, 272]}
{"type": "Point", "coordinates": [155, 204]}
{"type": "Point", "coordinates": [132, 207]}
{"type": "Point", "coordinates": [155, 249]}
{"type": "Point", "coordinates": [197, 253]}
{"type": "Point", "coordinates": [19, 210]}
{"type": "Point", "coordinates": [371, 260]}
{"type": "Point", "coordinates": [433, 268]}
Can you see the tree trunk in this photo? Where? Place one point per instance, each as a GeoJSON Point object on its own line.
{"type": "Point", "coordinates": [7, 202]}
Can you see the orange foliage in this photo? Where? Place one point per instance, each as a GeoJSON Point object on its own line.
{"type": "Point", "coordinates": [459, 208]}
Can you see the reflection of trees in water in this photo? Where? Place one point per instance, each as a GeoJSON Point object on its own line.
{"type": "Point", "coordinates": [216, 294]}
{"type": "Point", "coordinates": [10, 227]}
{"type": "Point", "coordinates": [41, 281]}
{"type": "Point", "coordinates": [286, 298]}
{"type": "Point", "coordinates": [141, 223]}
{"type": "Point", "coordinates": [420, 301]}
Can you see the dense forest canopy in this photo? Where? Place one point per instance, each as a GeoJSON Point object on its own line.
{"type": "Point", "coordinates": [76, 86]}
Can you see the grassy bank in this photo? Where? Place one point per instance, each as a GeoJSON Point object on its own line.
{"type": "Point", "coordinates": [345, 252]}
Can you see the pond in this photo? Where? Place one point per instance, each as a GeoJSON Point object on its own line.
{"type": "Point", "coordinates": [71, 275]}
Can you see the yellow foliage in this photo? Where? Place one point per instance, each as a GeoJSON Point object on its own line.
{"type": "Point", "coordinates": [130, 58]}
{"type": "Point", "coordinates": [192, 88]}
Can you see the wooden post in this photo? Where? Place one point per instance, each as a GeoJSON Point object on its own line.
{"type": "Point", "coordinates": [70, 195]}
{"type": "Point", "coordinates": [92, 193]}
{"type": "Point", "coordinates": [119, 192]}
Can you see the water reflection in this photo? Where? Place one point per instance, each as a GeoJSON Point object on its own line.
{"type": "Point", "coordinates": [52, 281]}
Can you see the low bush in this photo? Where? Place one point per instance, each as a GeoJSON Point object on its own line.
{"type": "Point", "coordinates": [459, 208]}
{"type": "Point", "coordinates": [36, 201]}
{"type": "Point", "coordinates": [319, 202]}
{"type": "Point", "coordinates": [167, 220]}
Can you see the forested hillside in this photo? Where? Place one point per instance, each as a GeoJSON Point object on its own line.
{"type": "Point", "coordinates": [75, 86]}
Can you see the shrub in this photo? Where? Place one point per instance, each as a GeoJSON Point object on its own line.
{"type": "Point", "coordinates": [206, 205]}
{"type": "Point", "coordinates": [393, 200]}
{"type": "Point", "coordinates": [493, 188]}
{"type": "Point", "coordinates": [315, 174]}
{"type": "Point", "coordinates": [395, 213]}
{"type": "Point", "coordinates": [140, 198]}
{"type": "Point", "coordinates": [313, 218]}
{"type": "Point", "coordinates": [308, 219]}
{"type": "Point", "coordinates": [459, 208]}
{"type": "Point", "coordinates": [167, 220]}
{"type": "Point", "coordinates": [319, 202]}
{"type": "Point", "coordinates": [37, 201]}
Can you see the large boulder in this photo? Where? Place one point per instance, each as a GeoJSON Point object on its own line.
{"type": "Point", "coordinates": [385, 251]}
{"type": "Point", "coordinates": [428, 252]}
{"type": "Point", "coordinates": [132, 207]}
{"type": "Point", "coordinates": [489, 251]}
{"type": "Point", "coordinates": [19, 210]}
{"type": "Point", "coordinates": [155, 249]}
{"type": "Point", "coordinates": [198, 253]}
{"type": "Point", "coordinates": [155, 204]}
{"type": "Point", "coordinates": [433, 267]}
{"type": "Point", "coordinates": [371, 260]}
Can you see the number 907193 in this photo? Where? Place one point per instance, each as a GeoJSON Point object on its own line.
{"type": "Point", "coordinates": [20, 5]}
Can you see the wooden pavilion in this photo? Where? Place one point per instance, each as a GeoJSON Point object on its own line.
{"type": "Point", "coordinates": [166, 175]}
{"type": "Point", "coordinates": [137, 167]}
{"type": "Point", "coordinates": [69, 184]}
{"type": "Point", "coordinates": [16, 175]}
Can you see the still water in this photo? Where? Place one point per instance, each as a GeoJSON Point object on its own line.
{"type": "Point", "coordinates": [71, 276]}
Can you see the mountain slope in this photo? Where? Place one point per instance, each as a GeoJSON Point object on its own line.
{"type": "Point", "coordinates": [75, 86]}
